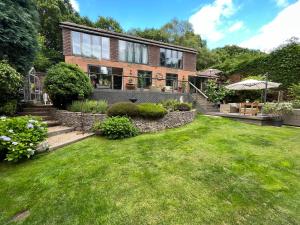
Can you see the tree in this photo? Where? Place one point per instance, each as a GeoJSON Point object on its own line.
{"type": "Point", "coordinates": [18, 32]}
{"type": "Point", "coordinates": [150, 33]}
{"type": "Point", "coordinates": [108, 23]}
{"type": "Point", "coordinates": [51, 13]}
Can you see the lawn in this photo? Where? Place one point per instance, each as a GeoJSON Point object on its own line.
{"type": "Point", "coordinates": [212, 171]}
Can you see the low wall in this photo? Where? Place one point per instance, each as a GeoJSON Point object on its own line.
{"type": "Point", "coordinates": [292, 119]}
{"type": "Point", "coordinates": [85, 121]}
{"type": "Point", "coordinates": [113, 96]}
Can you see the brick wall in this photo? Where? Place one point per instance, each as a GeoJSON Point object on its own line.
{"type": "Point", "coordinates": [114, 49]}
{"type": "Point", "coordinates": [189, 61]}
{"type": "Point", "coordinates": [67, 42]}
{"type": "Point", "coordinates": [153, 55]}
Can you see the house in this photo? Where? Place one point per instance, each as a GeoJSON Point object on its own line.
{"type": "Point", "coordinates": [124, 62]}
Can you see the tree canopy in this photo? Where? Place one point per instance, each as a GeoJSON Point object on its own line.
{"type": "Point", "coordinates": [18, 33]}
{"type": "Point", "coordinates": [108, 23]}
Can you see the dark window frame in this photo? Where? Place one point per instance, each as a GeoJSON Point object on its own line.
{"type": "Point", "coordinates": [166, 61]}
{"type": "Point", "coordinates": [142, 46]}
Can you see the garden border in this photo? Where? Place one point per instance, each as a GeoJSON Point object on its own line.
{"type": "Point", "coordinates": [85, 121]}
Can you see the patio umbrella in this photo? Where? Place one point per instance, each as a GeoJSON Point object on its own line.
{"type": "Point", "coordinates": [252, 85]}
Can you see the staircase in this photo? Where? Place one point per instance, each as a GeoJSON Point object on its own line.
{"type": "Point", "coordinates": [58, 135]}
{"type": "Point", "coordinates": [201, 103]}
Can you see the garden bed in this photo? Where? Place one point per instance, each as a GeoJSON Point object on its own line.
{"type": "Point", "coordinates": [85, 121]}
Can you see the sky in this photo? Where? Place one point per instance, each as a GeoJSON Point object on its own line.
{"type": "Point", "coordinates": [257, 24]}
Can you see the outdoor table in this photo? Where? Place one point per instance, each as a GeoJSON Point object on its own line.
{"type": "Point", "coordinates": [251, 108]}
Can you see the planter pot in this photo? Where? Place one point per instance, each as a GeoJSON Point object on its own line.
{"type": "Point", "coordinates": [130, 86]}
{"type": "Point", "coordinates": [277, 123]}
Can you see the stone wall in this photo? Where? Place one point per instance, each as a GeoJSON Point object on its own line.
{"type": "Point", "coordinates": [292, 119]}
{"type": "Point", "coordinates": [85, 121]}
{"type": "Point", "coordinates": [78, 120]}
{"type": "Point", "coordinates": [113, 96]}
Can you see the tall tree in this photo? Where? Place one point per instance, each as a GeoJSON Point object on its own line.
{"type": "Point", "coordinates": [51, 13]}
{"type": "Point", "coordinates": [18, 33]}
{"type": "Point", "coordinates": [108, 23]}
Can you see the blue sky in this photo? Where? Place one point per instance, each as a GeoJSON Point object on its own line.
{"type": "Point", "coordinates": [260, 24]}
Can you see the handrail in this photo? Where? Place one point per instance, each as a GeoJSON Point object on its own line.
{"type": "Point", "coordinates": [198, 90]}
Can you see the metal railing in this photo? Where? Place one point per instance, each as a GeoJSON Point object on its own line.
{"type": "Point", "coordinates": [139, 82]}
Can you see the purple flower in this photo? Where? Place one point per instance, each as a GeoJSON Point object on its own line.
{"type": "Point", "coordinates": [14, 143]}
{"type": "Point", "coordinates": [29, 126]}
{"type": "Point", "coordinates": [5, 138]}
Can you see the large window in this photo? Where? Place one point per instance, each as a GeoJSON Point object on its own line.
{"type": "Point", "coordinates": [90, 45]}
{"type": "Point", "coordinates": [133, 52]}
{"type": "Point", "coordinates": [170, 58]}
{"type": "Point", "coordinates": [172, 80]}
{"type": "Point", "coordinates": [144, 79]}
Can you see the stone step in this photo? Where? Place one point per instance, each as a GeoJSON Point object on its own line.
{"type": "Point", "coordinates": [35, 109]}
{"type": "Point", "coordinates": [62, 140]}
{"type": "Point", "coordinates": [52, 123]}
{"type": "Point", "coordinates": [56, 130]}
{"type": "Point", "coordinates": [35, 113]}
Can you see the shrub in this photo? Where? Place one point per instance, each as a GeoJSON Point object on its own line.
{"type": "Point", "coordinates": [184, 106]}
{"type": "Point", "coordinates": [8, 108]}
{"type": "Point", "coordinates": [278, 109]}
{"type": "Point", "coordinates": [296, 104]}
{"type": "Point", "coordinates": [294, 91]}
{"type": "Point", "coordinates": [118, 128]}
{"type": "Point", "coordinates": [123, 109]}
{"type": "Point", "coordinates": [66, 83]}
{"type": "Point", "coordinates": [10, 82]}
{"type": "Point", "coordinates": [88, 106]}
{"type": "Point", "coordinates": [20, 137]}
{"type": "Point", "coordinates": [170, 104]}
{"type": "Point", "coordinates": [151, 110]}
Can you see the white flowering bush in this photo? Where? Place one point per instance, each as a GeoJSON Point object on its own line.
{"type": "Point", "coordinates": [19, 137]}
{"type": "Point", "coordinates": [278, 109]}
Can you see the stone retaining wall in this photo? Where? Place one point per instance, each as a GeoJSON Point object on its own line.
{"type": "Point", "coordinates": [292, 119]}
{"type": "Point", "coordinates": [85, 121]}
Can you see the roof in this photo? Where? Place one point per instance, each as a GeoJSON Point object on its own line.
{"type": "Point", "coordinates": [126, 37]}
{"type": "Point", "coordinates": [209, 73]}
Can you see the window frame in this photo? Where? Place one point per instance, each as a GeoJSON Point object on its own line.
{"type": "Point", "coordinates": [91, 46]}
{"type": "Point", "coordinates": [132, 46]}
{"type": "Point", "coordinates": [171, 59]}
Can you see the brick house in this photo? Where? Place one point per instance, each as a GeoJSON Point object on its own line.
{"type": "Point", "coordinates": [125, 62]}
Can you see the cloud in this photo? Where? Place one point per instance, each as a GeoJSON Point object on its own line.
{"type": "Point", "coordinates": [209, 17]}
{"type": "Point", "coordinates": [282, 3]}
{"type": "Point", "coordinates": [284, 26]}
{"type": "Point", "coordinates": [75, 5]}
{"type": "Point", "coordinates": [236, 26]}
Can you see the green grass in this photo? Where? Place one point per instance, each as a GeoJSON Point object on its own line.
{"type": "Point", "coordinates": [213, 171]}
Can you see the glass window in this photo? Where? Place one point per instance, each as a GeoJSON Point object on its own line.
{"type": "Point", "coordinates": [172, 80]}
{"type": "Point", "coordinates": [76, 43]}
{"type": "Point", "coordinates": [170, 58]}
{"type": "Point", "coordinates": [130, 50]}
{"type": "Point", "coordinates": [96, 47]}
{"type": "Point", "coordinates": [179, 59]}
{"type": "Point", "coordinates": [144, 79]}
{"type": "Point", "coordinates": [137, 53]}
{"type": "Point", "coordinates": [162, 57]}
{"type": "Point", "coordinates": [133, 52]}
{"type": "Point", "coordinates": [90, 45]}
{"type": "Point", "coordinates": [86, 45]}
{"type": "Point", "coordinates": [144, 54]}
{"type": "Point", "coordinates": [122, 50]}
{"type": "Point", "coordinates": [105, 48]}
